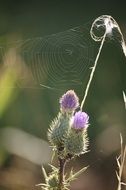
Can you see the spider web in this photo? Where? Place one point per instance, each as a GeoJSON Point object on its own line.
{"type": "Point", "coordinates": [58, 61]}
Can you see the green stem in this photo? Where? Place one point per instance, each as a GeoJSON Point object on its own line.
{"type": "Point", "coordinates": [61, 173]}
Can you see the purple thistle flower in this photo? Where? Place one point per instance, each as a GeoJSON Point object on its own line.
{"type": "Point", "coordinates": [80, 120]}
{"type": "Point", "coordinates": [69, 101]}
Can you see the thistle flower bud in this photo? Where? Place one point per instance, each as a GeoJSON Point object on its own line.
{"type": "Point", "coordinates": [80, 120]}
{"type": "Point", "coordinates": [77, 142]}
{"type": "Point", "coordinates": [69, 102]}
{"type": "Point", "coordinates": [59, 129]}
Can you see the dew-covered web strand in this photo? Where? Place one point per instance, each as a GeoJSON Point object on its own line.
{"type": "Point", "coordinates": [60, 60]}
{"type": "Point", "coordinates": [107, 23]}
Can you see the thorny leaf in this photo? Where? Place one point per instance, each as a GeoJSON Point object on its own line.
{"type": "Point", "coordinates": [44, 173]}
{"type": "Point", "coordinates": [75, 175]}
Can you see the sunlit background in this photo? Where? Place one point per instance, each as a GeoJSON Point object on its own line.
{"type": "Point", "coordinates": [29, 95]}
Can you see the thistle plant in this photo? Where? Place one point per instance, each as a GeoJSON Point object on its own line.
{"type": "Point", "coordinates": [68, 137]}
{"type": "Point", "coordinates": [68, 131]}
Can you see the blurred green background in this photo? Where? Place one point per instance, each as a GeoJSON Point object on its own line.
{"type": "Point", "coordinates": [25, 113]}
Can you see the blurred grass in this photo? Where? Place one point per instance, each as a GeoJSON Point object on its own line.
{"type": "Point", "coordinates": [8, 94]}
